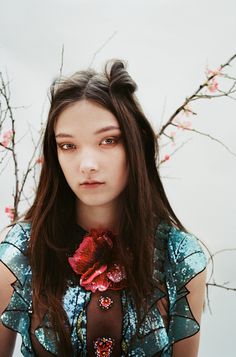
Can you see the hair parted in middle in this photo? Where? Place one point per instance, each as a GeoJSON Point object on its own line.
{"type": "Point", "coordinates": [144, 202]}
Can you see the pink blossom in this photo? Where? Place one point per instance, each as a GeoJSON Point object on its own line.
{"type": "Point", "coordinates": [10, 212]}
{"type": "Point", "coordinates": [183, 124]}
{"type": "Point", "coordinates": [7, 137]}
{"type": "Point", "coordinates": [186, 124]}
{"type": "Point", "coordinates": [213, 85]}
{"type": "Point", "coordinates": [187, 110]}
{"type": "Point", "coordinates": [166, 157]}
{"type": "Point", "coordinates": [215, 72]}
{"type": "Point", "coordinates": [39, 160]}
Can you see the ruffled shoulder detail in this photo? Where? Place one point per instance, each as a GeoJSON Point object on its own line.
{"type": "Point", "coordinates": [186, 256]}
{"type": "Point", "coordinates": [13, 251]}
{"type": "Point", "coordinates": [185, 260]}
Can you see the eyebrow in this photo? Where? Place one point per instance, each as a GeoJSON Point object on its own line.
{"type": "Point", "coordinates": [106, 128]}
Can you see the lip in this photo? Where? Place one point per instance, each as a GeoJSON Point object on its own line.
{"type": "Point", "coordinates": [90, 181]}
{"type": "Point", "coordinates": [92, 184]}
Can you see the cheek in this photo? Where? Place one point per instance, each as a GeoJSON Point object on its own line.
{"type": "Point", "coordinates": [65, 165]}
{"type": "Point", "coordinates": [61, 163]}
{"type": "Point", "coordinates": [126, 174]}
{"type": "Point", "coordinates": [123, 169]}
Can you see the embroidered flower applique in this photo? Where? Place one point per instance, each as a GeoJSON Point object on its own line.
{"type": "Point", "coordinates": [96, 261]}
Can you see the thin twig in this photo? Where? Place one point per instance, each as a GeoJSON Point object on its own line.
{"type": "Point", "coordinates": [100, 48]}
{"type": "Point", "coordinates": [221, 286]}
{"type": "Point", "coordinates": [173, 152]}
{"type": "Point", "coordinates": [62, 61]}
{"type": "Point", "coordinates": [209, 136]}
{"type": "Point", "coordinates": [6, 147]}
{"type": "Point", "coordinates": [30, 164]}
{"type": "Point", "coordinates": [223, 251]}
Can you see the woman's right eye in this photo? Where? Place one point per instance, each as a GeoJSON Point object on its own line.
{"type": "Point", "coordinates": [66, 147]}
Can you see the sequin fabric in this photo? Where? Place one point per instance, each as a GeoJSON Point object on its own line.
{"type": "Point", "coordinates": [178, 258]}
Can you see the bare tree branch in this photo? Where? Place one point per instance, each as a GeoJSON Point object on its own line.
{"type": "Point", "coordinates": [209, 136]}
{"type": "Point", "coordinates": [5, 92]}
{"type": "Point", "coordinates": [62, 61]}
{"type": "Point", "coordinates": [100, 48]}
{"type": "Point", "coordinates": [221, 286]}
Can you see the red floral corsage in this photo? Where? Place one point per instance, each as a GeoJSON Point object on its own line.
{"type": "Point", "coordinates": [96, 261]}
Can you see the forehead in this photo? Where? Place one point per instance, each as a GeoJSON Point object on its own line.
{"type": "Point", "coordinates": [84, 116]}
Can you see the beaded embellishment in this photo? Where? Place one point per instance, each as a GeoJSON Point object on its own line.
{"type": "Point", "coordinates": [103, 346]}
{"type": "Point", "coordinates": [105, 302]}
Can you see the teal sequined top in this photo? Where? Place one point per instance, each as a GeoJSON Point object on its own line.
{"type": "Point", "coordinates": [181, 258]}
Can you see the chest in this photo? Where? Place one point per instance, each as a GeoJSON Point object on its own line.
{"type": "Point", "coordinates": [109, 315]}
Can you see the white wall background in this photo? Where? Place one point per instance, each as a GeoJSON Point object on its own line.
{"type": "Point", "coordinates": [167, 45]}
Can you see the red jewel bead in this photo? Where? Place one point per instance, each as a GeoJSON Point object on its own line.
{"type": "Point", "coordinates": [103, 346]}
{"type": "Point", "coordinates": [105, 302]}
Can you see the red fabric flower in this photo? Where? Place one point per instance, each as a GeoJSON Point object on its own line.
{"type": "Point", "coordinates": [96, 261]}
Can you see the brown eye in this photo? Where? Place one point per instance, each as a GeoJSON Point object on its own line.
{"type": "Point", "coordinates": [66, 147]}
{"type": "Point", "coordinates": [113, 139]}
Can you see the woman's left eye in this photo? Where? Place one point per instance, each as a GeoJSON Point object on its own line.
{"type": "Point", "coordinates": [114, 139]}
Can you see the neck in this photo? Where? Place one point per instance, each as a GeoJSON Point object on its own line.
{"type": "Point", "coordinates": [98, 217]}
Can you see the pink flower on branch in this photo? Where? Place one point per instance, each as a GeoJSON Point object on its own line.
{"type": "Point", "coordinates": [187, 110]}
{"type": "Point", "coordinates": [7, 138]}
{"type": "Point", "coordinates": [10, 212]}
{"type": "Point", "coordinates": [186, 124]}
{"type": "Point", "coordinates": [166, 158]}
{"type": "Point", "coordinates": [39, 160]}
{"type": "Point", "coordinates": [213, 85]}
{"type": "Point", "coordinates": [215, 72]}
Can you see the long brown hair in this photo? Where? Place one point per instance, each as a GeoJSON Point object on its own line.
{"type": "Point", "coordinates": [144, 200]}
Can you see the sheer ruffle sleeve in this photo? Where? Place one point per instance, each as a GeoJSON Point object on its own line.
{"type": "Point", "coordinates": [186, 261]}
{"type": "Point", "coordinates": [13, 255]}
{"type": "Point", "coordinates": [178, 259]}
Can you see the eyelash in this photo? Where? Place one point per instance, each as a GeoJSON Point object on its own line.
{"type": "Point", "coordinates": [114, 138]}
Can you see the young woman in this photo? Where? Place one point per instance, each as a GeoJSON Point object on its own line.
{"type": "Point", "coordinates": [100, 265]}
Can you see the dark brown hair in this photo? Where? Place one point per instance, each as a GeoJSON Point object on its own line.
{"type": "Point", "coordinates": [144, 200]}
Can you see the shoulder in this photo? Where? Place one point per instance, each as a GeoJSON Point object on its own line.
{"type": "Point", "coordinates": [17, 234]}
{"type": "Point", "coordinates": [15, 285]}
{"type": "Point", "coordinates": [13, 249]}
{"type": "Point", "coordinates": [185, 255]}
{"type": "Point", "coordinates": [183, 244]}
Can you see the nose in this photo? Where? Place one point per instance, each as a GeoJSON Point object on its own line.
{"type": "Point", "coordinates": [88, 162]}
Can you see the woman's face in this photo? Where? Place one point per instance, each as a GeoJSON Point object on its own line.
{"type": "Point", "coordinates": [89, 150]}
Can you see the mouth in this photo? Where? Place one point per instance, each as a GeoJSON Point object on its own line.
{"type": "Point", "coordinates": [92, 184]}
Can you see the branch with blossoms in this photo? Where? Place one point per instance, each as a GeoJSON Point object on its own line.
{"type": "Point", "coordinates": [209, 89]}
{"type": "Point", "coordinates": [8, 142]}
{"type": "Point", "coordinates": [8, 150]}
